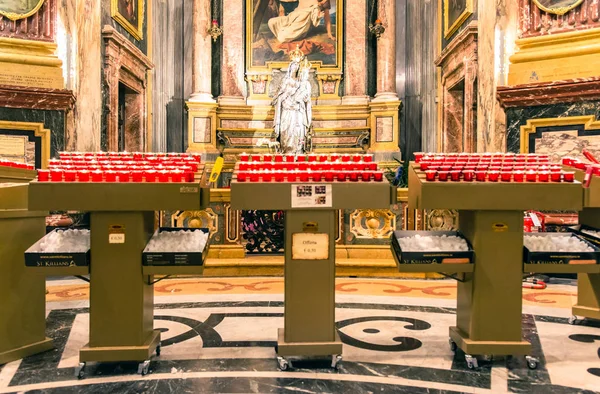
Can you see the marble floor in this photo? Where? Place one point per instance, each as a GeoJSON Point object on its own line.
{"type": "Point", "coordinates": [218, 336]}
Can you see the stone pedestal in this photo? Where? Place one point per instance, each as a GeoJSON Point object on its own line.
{"type": "Point", "coordinates": [202, 126]}
{"type": "Point", "coordinates": [385, 129]}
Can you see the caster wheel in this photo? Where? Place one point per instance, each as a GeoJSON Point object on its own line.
{"type": "Point", "coordinates": [573, 320]}
{"type": "Point", "coordinates": [144, 368]}
{"type": "Point", "coordinates": [284, 365]}
{"type": "Point", "coordinates": [158, 351]}
{"type": "Point", "coordinates": [80, 371]}
{"type": "Point", "coordinates": [453, 345]}
{"type": "Point", "coordinates": [471, 361]}
{"type": "Point", "coordinates": [532, 362]}
{"type": "Point", "coordinates": [335, 360]}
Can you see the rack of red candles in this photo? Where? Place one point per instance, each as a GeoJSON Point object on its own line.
{"type": "Point", "coordinates": [14, 164]}
{"type": "Point", "coordinates": [308, 168]}
{"type": "Point", "coordinates": [121, 167]}
{"type": "Point", "coordinates": [491, 167]}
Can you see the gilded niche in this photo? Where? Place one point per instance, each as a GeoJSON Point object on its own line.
{"type": "Point", "coordinates": [19, 9]}
{"type": "Point", "coordinates": [558, 7]}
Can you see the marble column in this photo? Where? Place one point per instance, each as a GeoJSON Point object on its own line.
{"type": "Point", "coordinates": [355, 76]}
{"type": "Point", "coordinates": [201, 82]}
{"type": "Point", "coordinates": [497, 29]}
{"type": "Point", "coordinates": [232, 71]}
{"type": "Point", "coordinates": [386, 52]}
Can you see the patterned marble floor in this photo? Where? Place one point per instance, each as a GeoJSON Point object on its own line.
{"type": "Point", "coordinates": [219, 333]}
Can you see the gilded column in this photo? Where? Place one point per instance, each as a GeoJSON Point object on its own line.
{"type": "Point", "coordinates": [386, 52]}
{"type": "Point", "coordinates": [202, 108]}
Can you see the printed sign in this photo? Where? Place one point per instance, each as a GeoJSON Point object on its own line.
{"type": "Point", "coordinates": [311, 196]}
{"type": "Point", "coordinates": [116, 234]}
{"type": "Point", "coordinates": [310, 246]}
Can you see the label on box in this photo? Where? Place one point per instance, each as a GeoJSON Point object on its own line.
{"type": "Point", "coordinates": [312, 196]}
{"type": "Point", "coordinates": [116, 234]}
{"type": "Point", "coordinates": [310, 246]}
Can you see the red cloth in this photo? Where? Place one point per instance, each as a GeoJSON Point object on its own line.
{"type": "Point", "coordinates": [308, 47]}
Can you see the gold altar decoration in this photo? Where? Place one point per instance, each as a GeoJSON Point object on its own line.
{"type": "Point", "coordinates": [15, 10]}
{"type": "Point", "coordinates": [215, 31]}
{"type": "Point", "coordinates": [377, 28]}
{"type": "Point", "coordinates": [372, 223]}
{"type": "Point", "coordinates": [130, 15]}
{"type": "Point", "coordinates": [456, 12]}
{"type": "Point", "coordinates": [589, 122]}
{"type": "Point", "coordinates": [206, 218]}
{"type": "Point", "coordinates": [557, 7]}
{"type": "Point", "coordinates": [38, 131]}
{"type": "Point", "coordinates": [441, 220]}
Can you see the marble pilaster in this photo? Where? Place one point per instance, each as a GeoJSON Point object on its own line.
{"type": "Point", "coordinates": [232, 68]}
{"type": "Point", "coordinates": [355, 75]}
{"type": "Point", "coordinates": [201, 82]}
{"type": "Point", "coordinates": [386, 52]}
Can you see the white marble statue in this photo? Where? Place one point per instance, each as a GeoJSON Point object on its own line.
{"type": "Point", "coordinates": [293, 108]}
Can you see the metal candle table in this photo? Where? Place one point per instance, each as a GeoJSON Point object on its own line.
{"type": "Point", "coordinates": [23, 306]}
{"type": "Point", "coordinates": [121, 291]}
{"type": "Point", "coordinates": [310, 228]}
{"type": "Point", "coordinates": [588, 283]}
{"type": "Point", "coordinates": [489, 305]}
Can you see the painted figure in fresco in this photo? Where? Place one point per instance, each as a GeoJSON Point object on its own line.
{"type": "Point", "coordinates": [297, 24]}
{"type": "Point", "coordinates": [293, 108]}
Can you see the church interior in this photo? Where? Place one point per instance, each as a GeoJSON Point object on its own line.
{"type": "Point", "coordinates": [316, 196]}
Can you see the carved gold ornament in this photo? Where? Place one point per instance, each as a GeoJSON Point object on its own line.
{"type": "Point", "coordinates": [372, 223]}
{"type": "Point", "coordinates": [197, 219]}
{"type": "Point", "coordinates": [557, 7]}
{"type": "Point", "coordinates": [19, 9]}
{"type": "Point", "coordinates": [441, 220]}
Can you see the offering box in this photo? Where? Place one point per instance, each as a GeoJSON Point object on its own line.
{"type": "Point", "coordinates": [451, 259]}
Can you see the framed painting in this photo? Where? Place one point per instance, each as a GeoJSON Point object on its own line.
{"type": "Point", "coordinates": [276, 27]}
{"type": "Point", "coordinates": [19, 9]}
{"type": "Point", "coordinates": [130, 15]}
{"type": "Point", "coordinates": [456, 12]}
{"type": "Point", "coordinates": [558, 7]}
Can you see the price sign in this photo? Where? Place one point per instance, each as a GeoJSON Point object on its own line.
{"type": "Point", "coordinates": [310, 246]}
{"type": "Point", "coordinates": [116, 234]}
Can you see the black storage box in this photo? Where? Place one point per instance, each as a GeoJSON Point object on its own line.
{"type": "Point", "coordinates": [572, 258]}
{"type": "Point", "coordinates": [56, 260]}
{"type": "Point", "coordinates": [176, 258]}
{"type": "Point", "coordinates": [465, 257]}
{"type": "Point", "coordinates": [588, 237]}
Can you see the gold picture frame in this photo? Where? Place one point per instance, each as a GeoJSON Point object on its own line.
{"type": "Point", "coordinates": [133, 23]}
{"type": "Point", "coordinates": [557, 10]}
{"type": "Point", "coordinates": [13, 15]}
{"type": "Point", "coordinates": [452, 25]}
{"type": "Point", "coordinates": [38, 130]}
{"type": "Point", "coordinates": [318, 65]}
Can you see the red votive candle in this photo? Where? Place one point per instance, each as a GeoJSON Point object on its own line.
{"type": "Point", "coordinates": [97, 176]}
{"type": "Point", "coordinates": [56, 175]}
{"type": "Point", "coordinates": [43, 175]}
{"type": "Point", "coordinates": [356, 158]}
{"type": "Point", "coordinates": [278, 176]}
{"type": "Point", "coordinates": [455, 175]}
{"type": "Point", "coordinates": [300, 158]}
{"type": "Point", "coordinates": [254, 176]}
{"type": "Point", "coordinates": [531, 176]}
{"type": "Point", "coordinates": [176, 176]}
{"type": "Point", "coordinates": [83, 176]}
{"type": "Point", "coordinates": [443, 175]}
{"type": "Point", "coordinates": [568, 176]}
{"type": "Point", "coordinates": [430, 175]}
{"type": "Point", "coordinates": [150, 175]}
{"type": "Point", "coordinates": [267, 158]}
{"type": "Point", "coordinates": [292, 176]}
{"type": "Point", "coordinates": [480, 175]}
{"type": "Point", "coordinates": [567, 161]}
{"type": "Point", "coordinates": [366, 176]}
{"type": "Point", "coordinates": [241, 176]}
{"type": "Point", "coordinates": [69, 175]}
{"type": "Point", "coordinates": [378, 176]}
{"type": "Point", "coordinates": [341, 176]}
{"type": "Point", "coordinates": [278, 158]}
{"type": "Point", "coordinates": [353, 176]}
{"type": "Point", "coordinates": [334, 157]}
{"type": "Point", "coordinates": [418, 156]}
{"type": "Point", "coordinates": [493, 176]}
{"type": "Point", "coordinates": [544, 176]}
{"type": "Point", "coordinates": [518, 175]}
{"type": "Point", "coordinates": [123, 176]}
{"type": "Point", "coordinates": [424, 165]}
{"type": "Point", "coordinates": [506, 176]}
{"type": "Point", "coordinates": [468, 175]}
{"type": "Point", "coordinates": [368, 158]}
{"type": "Point", "coordinates": [289, 158]}
{"type": "Point", "coordinates": [110, 176]}
{"type": "Point", "coordinates": [137, 176]}
{"type": "Point", "coordinates": [328, 176]}
{"type": "Point", "coordinates": [580, 166]}
{"type": "Point", "coordinates": [163, 176]}
{"type": "Point", "coordinates": [555, 176]}
{"type": "Point", "coordinates": [317, 176]}
{"type": "Point", "coordinates": [345, 158]}
{"type": "Point", "coordinates": [312, 158]}
{"type": "Point", "coordinates": [267, 176]}
{"type": "Point", "coordinates": [255, 157]}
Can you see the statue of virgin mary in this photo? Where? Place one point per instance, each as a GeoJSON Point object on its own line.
{"type": "Point", "coordinates": [293, 108]}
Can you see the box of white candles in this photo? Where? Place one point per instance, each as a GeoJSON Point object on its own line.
{"type": "Point", "coordinates": [558, 248]}
{"type": "Point", "coordinates": [171, 246]}
{"type": "Point", "coordinates": [590, 234]}
{"type": "Point", "coordinates": [60, 249]}
{"type": "Point", "coordinates": [431, 247]}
